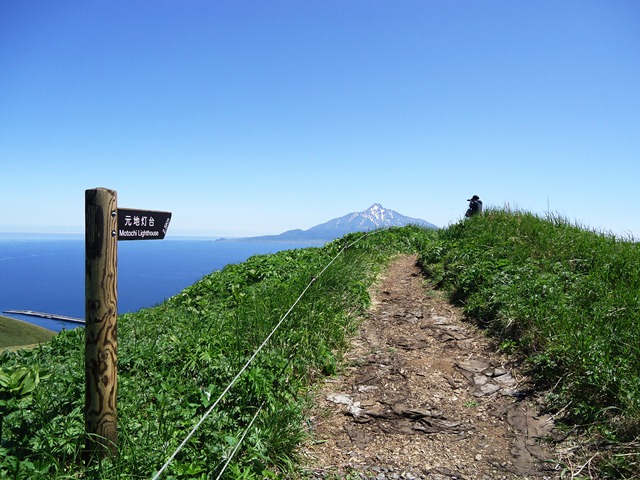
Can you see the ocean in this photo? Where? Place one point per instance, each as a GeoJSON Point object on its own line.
{"type": "Point", "coordinates": [45, 273]}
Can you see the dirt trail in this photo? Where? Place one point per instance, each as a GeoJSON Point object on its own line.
{"type": "Point", "coordinates": [425, 396]}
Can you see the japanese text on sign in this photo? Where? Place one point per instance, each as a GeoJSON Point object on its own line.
{"type": "Point", "coordinates": [142, 224]}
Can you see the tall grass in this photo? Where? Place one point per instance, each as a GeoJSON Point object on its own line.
{"type": "Point", "coordinates": [174, 360]}
{"type": "Point", "coordinates": [566, 298]}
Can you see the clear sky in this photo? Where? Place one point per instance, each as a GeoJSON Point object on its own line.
{"type": "Point", "coordinates": [256, 117]}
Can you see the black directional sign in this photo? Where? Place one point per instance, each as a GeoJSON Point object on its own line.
{"type": "Point", "coordinates": [142, 224]}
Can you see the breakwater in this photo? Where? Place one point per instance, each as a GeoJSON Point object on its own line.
{"type": "Point", "coordinates": [52, 316]}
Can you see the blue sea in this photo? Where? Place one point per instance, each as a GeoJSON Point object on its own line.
{"type": "Point", "coordinates": [45, 273]}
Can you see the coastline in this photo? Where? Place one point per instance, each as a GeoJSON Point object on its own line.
{"type": "Point", "coordinates": [17, 334]}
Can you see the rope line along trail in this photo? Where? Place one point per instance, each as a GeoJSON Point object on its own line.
{"type": "Point", "coordinates": [255, 354]}
{"type": "Point", "coordinates": [244, 434]}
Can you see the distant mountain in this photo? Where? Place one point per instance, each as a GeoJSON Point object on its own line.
{"type": "Point", "coordinates": [373, 218]}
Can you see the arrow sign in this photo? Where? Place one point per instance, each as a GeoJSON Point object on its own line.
{"type": "Point", "coordinates": [142, 224]}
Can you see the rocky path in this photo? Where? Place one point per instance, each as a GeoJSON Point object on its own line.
{"type": "Point", "coordinates": [425, 396]}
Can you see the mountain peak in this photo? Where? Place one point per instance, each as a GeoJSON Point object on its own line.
{"type": "Point", "coordinates": [373, 218]}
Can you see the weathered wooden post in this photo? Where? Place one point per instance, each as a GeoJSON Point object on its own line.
{"type": "Point", "coordinates": [101, 310]}
{"type": "Point", "coordinates": [105, 224]}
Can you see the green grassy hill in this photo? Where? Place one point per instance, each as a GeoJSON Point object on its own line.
{"type": "Point", "coordinates": [254, 338]}
{"type": "Point", "coordinates": [14, 333]}
{"type": "Point", "coordinates": [567, 300]}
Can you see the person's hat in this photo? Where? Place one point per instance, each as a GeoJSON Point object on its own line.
{"type": "Point", "coordinates": [475, 197]}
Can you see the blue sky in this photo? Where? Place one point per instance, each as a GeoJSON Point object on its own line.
{"type": "Point", "coordinates": [256, 117]}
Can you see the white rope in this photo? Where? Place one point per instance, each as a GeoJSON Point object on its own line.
{"type": "Point", "coordinates": [235, 379]}
{"type": "Point", "coordinates": [244, 434]}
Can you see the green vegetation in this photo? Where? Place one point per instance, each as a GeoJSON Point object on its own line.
{"type": "Point", "coordinates": [566, 300]}
{"type": "Point", "coordinates": [14, 333]}
{"type": "Point", "coordinates": [176, 359]}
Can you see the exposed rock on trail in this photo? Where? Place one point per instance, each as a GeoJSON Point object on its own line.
{"type": "Point", "coordinates": [425, 396]}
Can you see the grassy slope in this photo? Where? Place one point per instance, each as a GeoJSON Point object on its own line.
{"type": "Point", "coordinates": [14, 333]}
{"type": "Point", "coordinates": [175, 360]}
{"type": "Point", "coordinates": [566, 299]}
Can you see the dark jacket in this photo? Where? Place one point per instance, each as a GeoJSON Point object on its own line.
{"type": "Point", "coordinates": [475, 206]}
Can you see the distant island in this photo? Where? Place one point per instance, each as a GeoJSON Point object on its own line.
{"type": "Point", "coordinates": [373, 218]}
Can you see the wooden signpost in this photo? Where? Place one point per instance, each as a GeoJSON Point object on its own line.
{"type": "Point", "coordinates": [105, 224]}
